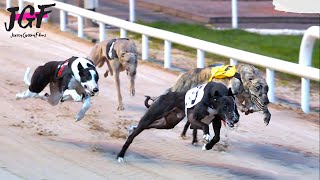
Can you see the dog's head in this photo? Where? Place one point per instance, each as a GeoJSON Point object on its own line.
{"type": "Point", "coordinates": [225, 107]}
{"type": "Point", "coordinates": [86, 74]}
{"type": "Point", "coordinates": [258, 90]}
{"type": "Point", "coordinates": [129, 61]}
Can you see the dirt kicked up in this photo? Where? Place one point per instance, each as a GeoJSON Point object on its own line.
{"type": "Point", "coordinates": [40, 141]}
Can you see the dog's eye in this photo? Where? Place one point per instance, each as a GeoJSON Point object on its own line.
{"type": "Point", "coordinates": [258, 88]}
{"type": "Point", "coordinates": [225, 107]}
{"type": "Point", "coordinates": [128, 61]}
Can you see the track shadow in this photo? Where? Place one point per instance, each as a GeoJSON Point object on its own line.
{"type": "Point", "coordinates": [280, 155]}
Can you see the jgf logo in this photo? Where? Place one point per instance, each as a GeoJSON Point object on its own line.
{"type": "Point", "coordinates": [30, 17]}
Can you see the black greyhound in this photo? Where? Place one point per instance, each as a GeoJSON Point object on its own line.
{"type": "Point", "coordinates": [169, 109]}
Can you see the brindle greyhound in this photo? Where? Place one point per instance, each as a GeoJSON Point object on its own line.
{"type": "Point", "coordinates": [169, 109]}
{"type": "Point", "coordinates": [119, 55]}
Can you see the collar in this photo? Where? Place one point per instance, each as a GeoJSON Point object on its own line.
{"type": "Point", "coordinates": [111, 52]}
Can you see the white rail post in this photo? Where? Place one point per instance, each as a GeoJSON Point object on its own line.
{"type": "Point", "coordinates": [305, 95]}
{"type": "Point", "coordinates": [102, 31]}
{"type": "Point", "coordinates": [233, 62]}
{"type": "Point", "coordinates": [8, 4]}
{"type": "Point", "coordinates": [63, 20]}
{"type": "Point", "coordinates": [123, 33]}
{"type": "Point", "coordinates": [20, 2]}
{"type": "Point", "coordinates": [167, 54]}
{"type": "Point", "coordinates": [234, 14]}
{"type": "Point", "coordinates": [132, 11]}
{"type": "Point", "coordinates": [80, 26]}
{"type": "Point", "coordinates": [145, 47]}
{"type": "Point", "coordinates": [305, 58]}
{"type": "Point", "coordinates": [270, 82]}
{"type": "Point", "coordinates": [200, 58]}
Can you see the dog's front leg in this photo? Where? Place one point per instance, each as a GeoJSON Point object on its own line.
{"type": "Point", "coordinates": [216, 124]}
{"type": "Point", "coordinates": [242, 107]}
{"type": "Point", "coordinates": [84, 108]}
{"type": "Point", "coordinates": [132, 88]}
{"type": "Point", "coordinates": [117, 80]}
{"type": "Point", "coordinates": [71, 93]}
{"type": "Point", "coordinates": [267, 116]}
{"type": "Point", "coordinates": [200, 125]}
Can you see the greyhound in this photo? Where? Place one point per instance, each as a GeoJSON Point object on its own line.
{"type": "Point", "coordinates": [169, 109]}
{"type": "Point", "coordinates": [74, 78]}
{"type": "Point", "coordinates": [120, 55]}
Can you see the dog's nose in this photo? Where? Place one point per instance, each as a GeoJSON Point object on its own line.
{"type": "Point", "coordinates": [133, 73]}
{"type": "Point", "coordinates": [95, 90]}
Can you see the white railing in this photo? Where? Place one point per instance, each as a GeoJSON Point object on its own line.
{"type": "Point", "coordinates": [305, 59]}
{"type": "Point", "coordinates": [271, 64]}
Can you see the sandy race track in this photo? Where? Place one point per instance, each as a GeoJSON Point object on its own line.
{"type": "Point", "coordinates": [39, 141]}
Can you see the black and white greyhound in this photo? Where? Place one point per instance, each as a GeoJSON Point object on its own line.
{"type": "Point", "coordinates": [169, 109]}
{"type": "Point", "coordinates": [75, 78]}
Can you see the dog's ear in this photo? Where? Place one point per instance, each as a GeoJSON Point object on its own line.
{"type": "Point", "coordinates": [80, 67]}
{"type": "Point", "coordinates": [215, 96]}
{"type": "Point", "coordinates": [90, 65]}
{"type": "Point", "coordinates": [216, 93]}
{"type": "Point", "coordinates": [230, 93]}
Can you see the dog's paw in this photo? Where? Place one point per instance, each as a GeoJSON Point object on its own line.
{"type": "Point", "coordinates": [106, 74]}
{"type": "Point", "coordinates": [120, 108]}
{"type": "Point", "coordinates": [267, 117]}
{"type": "Point", "coordinates": [183, 136]}
{"type": "Point", "coordinates": [132, 92]}
{"type": "Point", "coordinates": [204, 147]}
{"type": "Point", "coordinates": [266, 121]}
{"type": "Point", "coordinates": [131, 128]}
{"type": "Point", "coordinates": [79, 116]}
{"type": "Point", "coordinates": [249, 111]}
{"type": "Point", "coordinates": [195, 142]}
{"type": "Point", "coordinates": [207, 137]}
{"type": "Point", "coordinates": [18, 96]}
{"type": "Point", "coordinates": [120, 160]}
{"type": "Point", "coordinates": [77, 98]}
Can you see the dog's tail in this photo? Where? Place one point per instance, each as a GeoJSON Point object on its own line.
{"type": "Point", "coordinates": [146, 101]}
{"type": "Point", "coordinates": [26, 76]}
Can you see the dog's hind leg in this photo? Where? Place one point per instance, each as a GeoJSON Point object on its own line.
{"type": "Point", "coordinates": [26, 76]}
{"type": "Point", "coordinates": [185, 128]}
{"type": "Point", "coordinates": [216, 124]}
{"type": "Point", "coordinates": [194, 136]}
{"type": "Point", "coordinates": [29, 94]}
{"type": "Point", "coordinates": [55, 94]}
{"type": "Point", "coordinates": [126, 145]}
{"type": "Point", "coordinates": [109, 68]}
